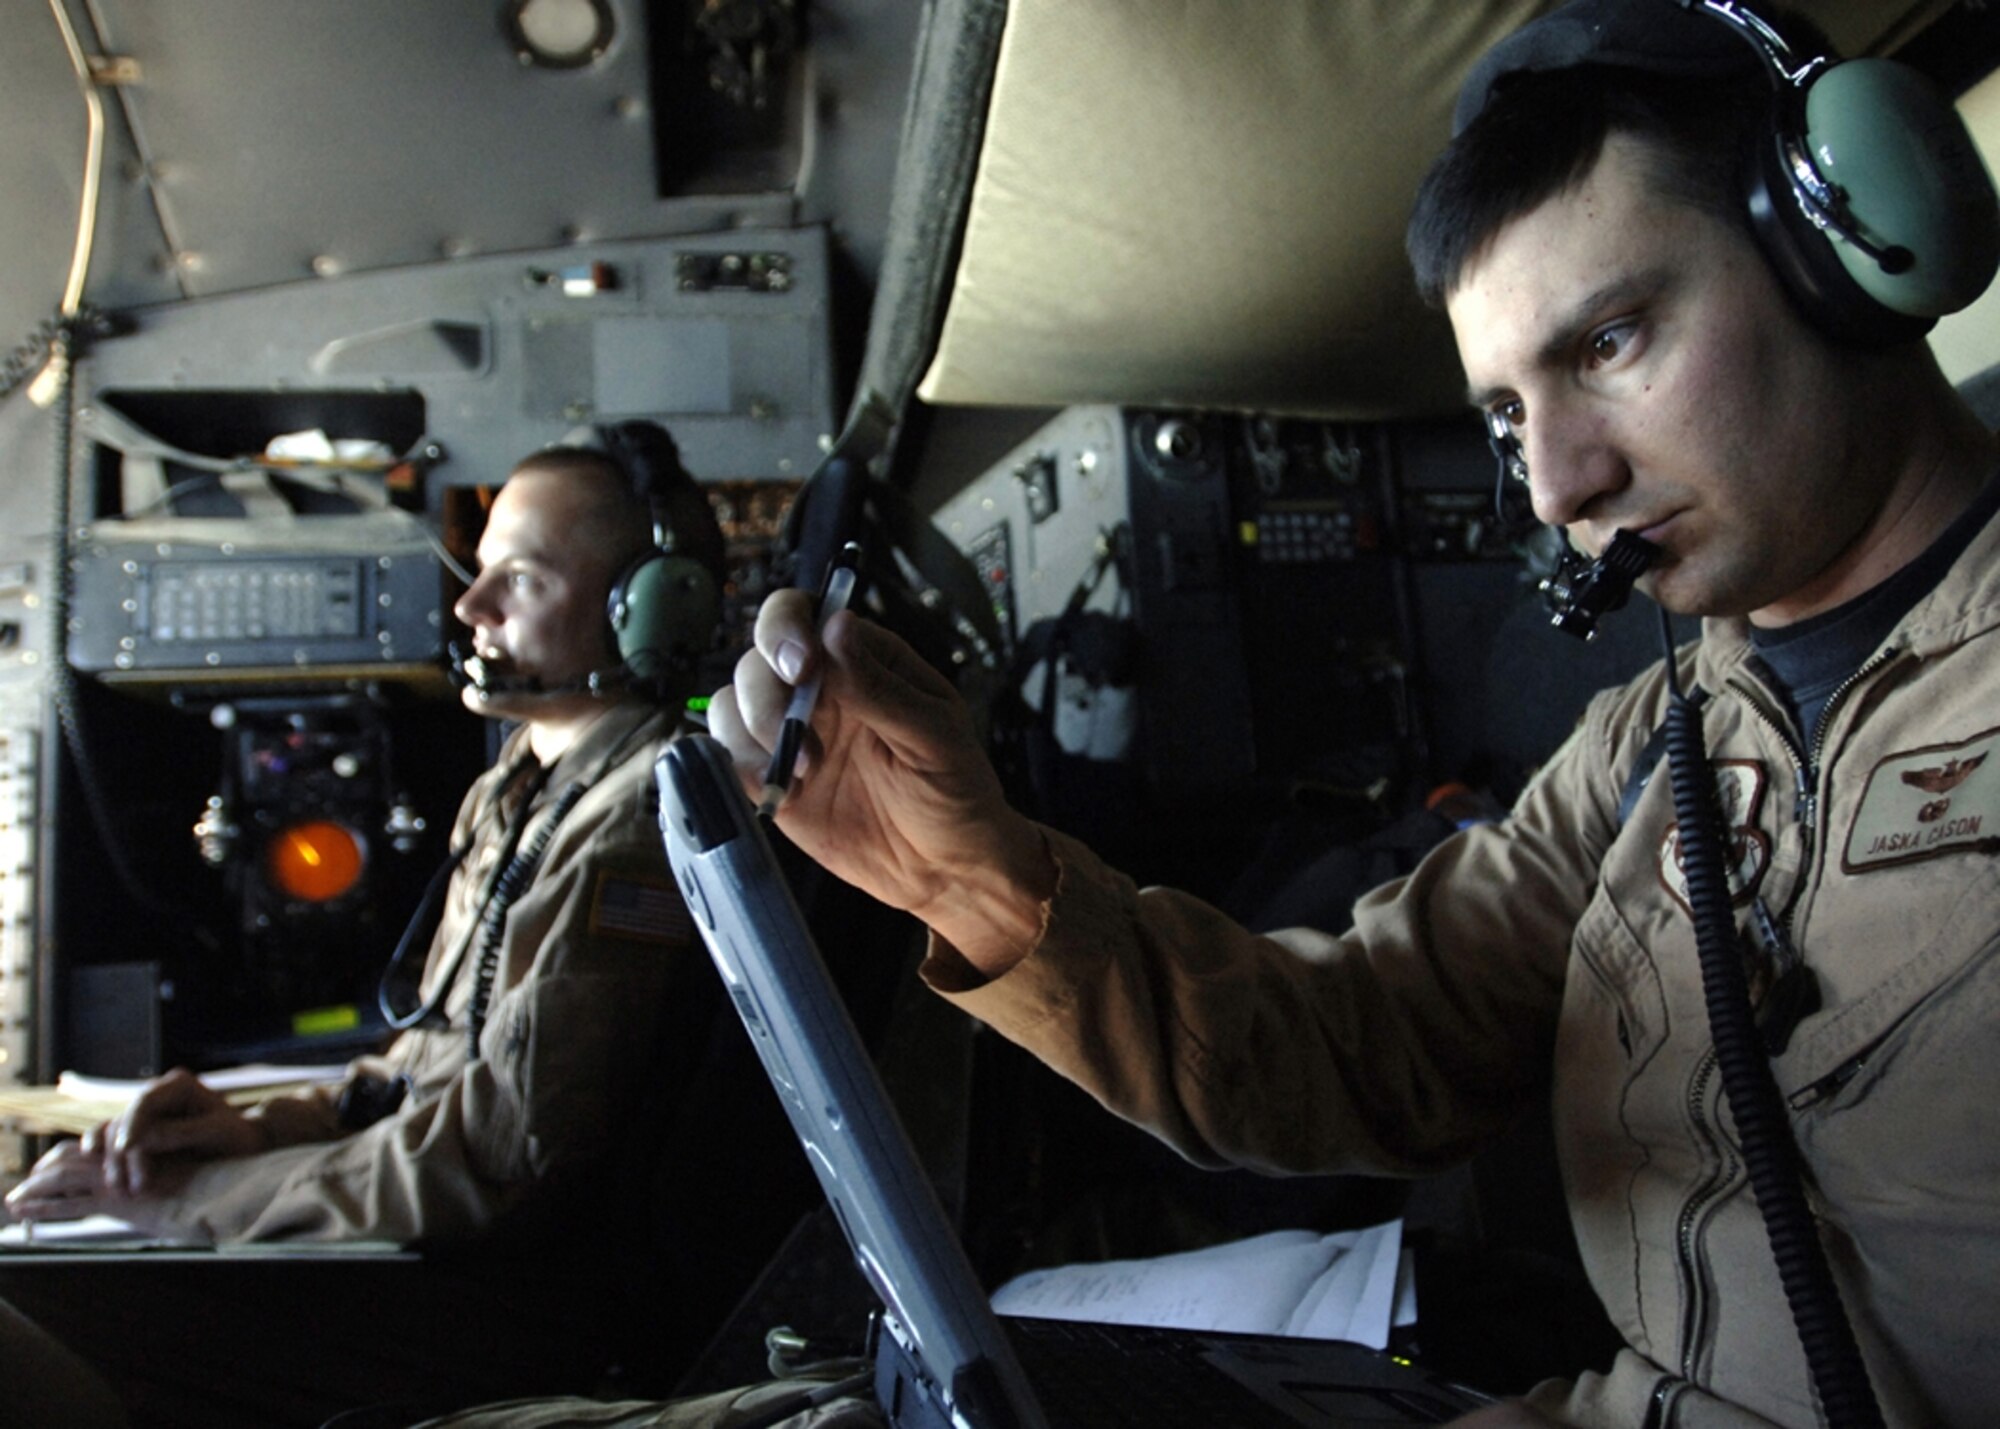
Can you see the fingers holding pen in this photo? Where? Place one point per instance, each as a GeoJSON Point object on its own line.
{"type": "Point", "coordinates": [868, 675]}
{"type": "Point", "coordinates": [788, 642]}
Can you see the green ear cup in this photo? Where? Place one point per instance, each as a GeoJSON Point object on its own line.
{"type": "Point", "coordinates": [664, 612]}
{"type": "Point", "coordinates": [1912, 179]}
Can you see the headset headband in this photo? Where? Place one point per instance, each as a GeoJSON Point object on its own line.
{"type": "Point", "coordinates": [1865, 192]}
{"type": "Point", "coordinates": [1661, 37]}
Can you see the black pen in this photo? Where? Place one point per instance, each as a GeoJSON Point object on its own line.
{"type": "Point", "coordinates": [834, 593]}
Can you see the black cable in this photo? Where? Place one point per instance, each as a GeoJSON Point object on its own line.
{"type": "Point", "coordinates": [32, 353]}
{"type": "Point", "coordinates": [420, 929]}
{"type": "Point", "coordinates": [514, 880]}
{"type": "Point", "coordinates": [516, 870]}
{"type": "Point", "coordinates": [29, 356]}
{"type": "Point", "coordinates": [430, 910]}
{"type": "Point", "coordinates": [71, 335]}
{"type": "Point", "coordinates": [1840, 1378]}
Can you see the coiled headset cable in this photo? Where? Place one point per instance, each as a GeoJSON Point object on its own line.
{"type": "Point", "coordinates": [514, 880]}
{"type": "Point", "coordinates": [1584, 592]}
{"type": "Point", "coordinates": [1839, 1376]}
{"type": "Point", "coordinates": [423, 923]}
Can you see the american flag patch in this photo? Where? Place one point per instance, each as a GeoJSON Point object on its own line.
{"type": "Point", "coordinates": [625, 907]}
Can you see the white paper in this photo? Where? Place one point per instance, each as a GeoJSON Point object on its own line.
{"type": "Point", "coordinates": [1302, 1283]}
{"type": "Point", "coordinates": [316, 446]}
{"type": "Point", "coordinates": [248, 1077]}
{"type": "Point", "coordinates": [83, 1230]}
{"type": "Point", "coordinates": [107, 1235]}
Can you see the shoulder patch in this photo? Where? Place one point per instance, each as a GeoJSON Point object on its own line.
{"type": "Point", "coordinates": [642, 909]}
{"type": "Point", "coordinates": [1739, 798]}
{"type": "Point", "coordinates": [1943, 798]}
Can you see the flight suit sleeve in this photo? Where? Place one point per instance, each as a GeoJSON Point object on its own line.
{"type": "Point", "coordinates": [1397, 1047]}
{"type": "Point", "coordinates": [589, 953]}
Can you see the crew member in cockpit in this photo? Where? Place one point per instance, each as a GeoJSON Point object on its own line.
{"type": "Point", "coordinates": [1656, 363]}
{"type": "Point", "coordinates": [560, 988]}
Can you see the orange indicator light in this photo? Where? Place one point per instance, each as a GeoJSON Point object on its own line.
{"type": "Point", "coordinates": [316, 861]}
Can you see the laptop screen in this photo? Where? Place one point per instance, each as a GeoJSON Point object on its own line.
{"type": "Point", "coordinates": [900, 1235]}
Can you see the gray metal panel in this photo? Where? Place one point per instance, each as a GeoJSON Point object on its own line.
{"type": "Point", "coordinates": [861, 56]}
{"type": "Point", "coordinates": [290, 140]}
{"type": "Point", "coordinates": [361, 591]}
{"type": "Point", "coordinates": [41, 179]}
{"type": "Point", "coordinates": [27, 483]}
{"type": "Point", "coordinates": [1033, 526]}
{"type": "Point", "coordinates": [282, 141]}
{"type": "Point", "coordinates": [506, 364]}
{"type": "Point", "coordinates": [27, 517]}
{"type": "Point", "coordinates": [1048, 559]}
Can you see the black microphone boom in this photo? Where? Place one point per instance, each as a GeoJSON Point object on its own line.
{"type": "Point", "coordinates": [470, 670]}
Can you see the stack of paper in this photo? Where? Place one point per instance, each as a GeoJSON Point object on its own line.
{"type": "Point", "coordinates": [1349, 1285]}
{"type": "Point", "coordinates": [76, 1103]}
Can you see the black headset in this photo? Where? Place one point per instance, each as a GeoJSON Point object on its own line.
{"type": "Point", "coordinates": [1865, 191]}
{"type": "Point", "coordinates": [664, 607]}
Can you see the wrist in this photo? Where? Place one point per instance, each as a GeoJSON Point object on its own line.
{"type": "Point", "coordinates": [994, 911]}
{"type": "Point", "coordinates": [263, 1133]}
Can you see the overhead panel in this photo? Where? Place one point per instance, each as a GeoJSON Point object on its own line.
{"type": "Point", "coordinates": [249, 144]}
{"type": "Point", "coordinates": [284, 142]}
{"type": "Point", "coordinates": [723, 337]}
{"type": "Point", "coordinates": [1203, 204]}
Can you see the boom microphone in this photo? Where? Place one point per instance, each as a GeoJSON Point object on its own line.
{"type": "Point", "coordinates": [1582, 592]}
{"type": "Point", "coordinates": [471, 670]}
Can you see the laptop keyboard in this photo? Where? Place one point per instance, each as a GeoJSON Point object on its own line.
{"type": "Point", "coordinates": [1118, 1376]}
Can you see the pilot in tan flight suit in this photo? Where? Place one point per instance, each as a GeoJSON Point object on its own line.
{"type": "Point", "coordinates": [495, 1130]}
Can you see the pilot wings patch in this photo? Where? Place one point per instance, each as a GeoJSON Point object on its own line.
{"type": "Point", "coordinates": [1739, 797]}
{"type": "Point", "coordinates": [1925, 803]}
{"type": "Point", "coordinates": [1945, 777]}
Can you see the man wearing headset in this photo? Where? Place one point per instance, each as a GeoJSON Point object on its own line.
{"type": "Point", "coordinates": [558, 997]}
{"type": "Point", "coordinates": [1812, 486]}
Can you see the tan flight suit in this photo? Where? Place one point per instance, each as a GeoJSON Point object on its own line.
{"type": "Point", "coordinates": [1558, 943]}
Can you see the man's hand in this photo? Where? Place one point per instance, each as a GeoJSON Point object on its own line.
{"type": "Point", "coordinates": [147, 1150]}
{"type": "Point", "coordinates": [894, 793]}
{"type": "Point", "coordinates": [66, 1185]}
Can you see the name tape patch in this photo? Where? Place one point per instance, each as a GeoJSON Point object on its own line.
{"type": "Point", "coordinates": [1926, 803]}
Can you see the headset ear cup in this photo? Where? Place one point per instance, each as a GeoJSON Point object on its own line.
{"type": "Point", "coordinates": [1819, 284]}
{"type": "Point", "coordinates": [1911, 179]}
{"type": "Point", "coordinates": [664, 611]}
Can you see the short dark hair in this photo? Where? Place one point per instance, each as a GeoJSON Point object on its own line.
{"type": "Point", "coordinates": [619, 524]}
{"type": "Point", "coordinates": [623, 516]}
{"type": "Point", "coordinates": [1541, 134]}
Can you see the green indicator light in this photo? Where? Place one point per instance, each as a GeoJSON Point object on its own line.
{"type": "Point", "coordinates": [318, 1021]}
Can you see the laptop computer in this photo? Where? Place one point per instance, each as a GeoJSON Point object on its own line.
{"type": "Point", "coordinates": [943, 1358]}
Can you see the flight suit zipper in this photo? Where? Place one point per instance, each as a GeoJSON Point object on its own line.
{"type": "Point", "coordinates": [1659, 1404]}
{"type": "Point", "coordinates": [1793, 991]}
{"type": "Point", "coordinates": [1776, 934]}
{"type": "Point", "coordinates": [1809, 812]}
{"type": "Point", "coordinates": [1694, 1305]}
